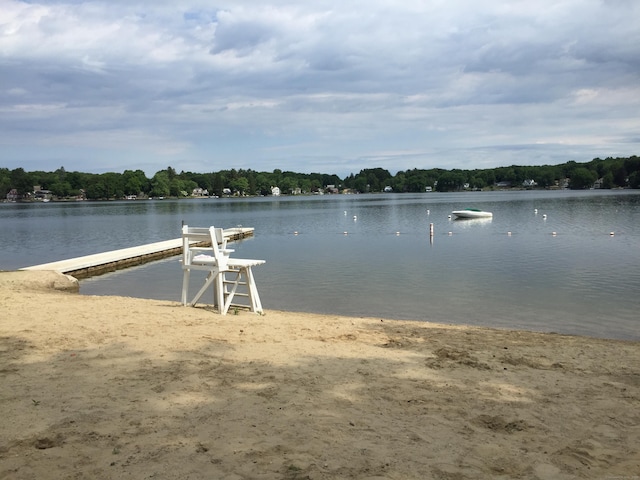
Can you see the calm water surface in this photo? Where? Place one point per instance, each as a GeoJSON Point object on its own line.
{"type": "Point", "coordinates": [371, 255]}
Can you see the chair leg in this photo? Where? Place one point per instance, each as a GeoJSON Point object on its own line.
{"type": "Point", "coordinates": [254, 296]}
{"type": "Point", "coordinates": [185, 286]}
{"type": "Point", "coordinates": [219, 292]}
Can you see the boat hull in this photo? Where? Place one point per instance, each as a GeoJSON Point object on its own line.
{"type": "Point", "coordinates": [471, 214]}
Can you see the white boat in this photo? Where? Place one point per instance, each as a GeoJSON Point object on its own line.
{"type": "Point", "coordinates": [471, 213]}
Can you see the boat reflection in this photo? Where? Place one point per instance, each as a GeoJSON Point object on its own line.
{"type": "Point", "coordinates": [472, 222]}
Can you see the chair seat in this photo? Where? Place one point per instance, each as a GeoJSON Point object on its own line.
{"type": "Point", "coordinates": [244, 263]}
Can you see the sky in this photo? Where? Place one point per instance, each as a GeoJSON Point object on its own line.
{"type": "Point", "coordinates": [322, 86]}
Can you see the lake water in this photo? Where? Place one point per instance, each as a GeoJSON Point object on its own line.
{"type": "Point", "coordinates": [372, 255]}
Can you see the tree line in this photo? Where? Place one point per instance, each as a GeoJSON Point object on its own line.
{"type": "Point", "coordinates": [60, 184]}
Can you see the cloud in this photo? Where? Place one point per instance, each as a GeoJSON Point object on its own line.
{"type": "Point", "coordinates": [305, 85]}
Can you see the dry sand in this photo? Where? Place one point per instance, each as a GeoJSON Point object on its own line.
{"type": "Point", "coordinates": [112, 387]}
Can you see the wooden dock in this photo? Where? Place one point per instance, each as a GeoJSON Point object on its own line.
{"type": "Point", "coordinates": [100, 263]}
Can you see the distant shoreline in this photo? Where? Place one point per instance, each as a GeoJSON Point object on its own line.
{"type": "Point", "coordinates": [488, 189]}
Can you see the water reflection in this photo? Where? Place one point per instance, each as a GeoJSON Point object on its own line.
{"type": "Point", "coordinates": [472, 222]}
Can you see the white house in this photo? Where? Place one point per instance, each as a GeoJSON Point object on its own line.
{"type": "Point", "coordinates": [200, 192]}
{"type": "Point", "coordinates": [275, 191]}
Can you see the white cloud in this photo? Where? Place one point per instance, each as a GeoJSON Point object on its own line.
{"type": "Point", "coordinates": [345, 85]}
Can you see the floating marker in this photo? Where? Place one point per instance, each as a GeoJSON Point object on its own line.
{"type": "Point", "coordinates": [612, 233]}
{"type": "Point", "coordinates": [345, 233]}
{"type": "Point", "coordinates": [295, 233]}
{"type": "Point", "coordinates": [355, 217]}
{"type": "Point", "coordinates": [397, 233]}
{"type": "Point", "coordinates": [553, 233]}
{"type": "Point", "coordinates": [544, 215]}
{"type": "Point", "coordinates": [431, 229]}
{"type": "Point", "coordinates": [448, 216]}
{"type": "Point", "coordinates": [508, 234]}
{"type": "Point", "coordinates": [450, 233]}
{"type": "Point", "coordinates": [428, 212]}
{"type": "Point", "coordinates": [535, 210]}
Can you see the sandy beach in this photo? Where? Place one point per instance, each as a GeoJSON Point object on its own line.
{"type": "Point", "coordinates": [118, 387]}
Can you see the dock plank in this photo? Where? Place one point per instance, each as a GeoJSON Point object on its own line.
{"type": "Point", "coordinates": [99, 263]}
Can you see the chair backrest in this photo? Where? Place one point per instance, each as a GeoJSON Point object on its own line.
{"type": "Point", "coordinates": [221, 240]}
{"type": "Point", "coordinates": [204, 241]}
{"type": "Point", "coordinates": [219, 247]}
{"type": "Point", "coordinates": [193, 237]}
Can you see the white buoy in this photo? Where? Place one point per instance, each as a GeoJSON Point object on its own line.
{"type": "Point", "coordinates": [544, 216]}
{"type": "Point", "coordinates": [508, 234]}
{"type": "Point", "coordinates": [345, 212]}
{"type": "Point", "coordinates": [397, 233]}
{"type": "Point", "coordinates": [535, 210]}
{"type": "Point", "coordinates": [355, 217]}
{"type": "Point", "coordinates": [553, 233]}
{"type": "Point", "coordinates": [612, 233]}
{"type": "Point", "coordinates": [428, 212]}
{"type": "Point", "coordinates": [450, 233]}
{"type": "Point", "coordinates": [449, 216]}
{"type": "Point", "coordinates": [345, 233]}
{"type": "Point", "coordinates": [295, 233]}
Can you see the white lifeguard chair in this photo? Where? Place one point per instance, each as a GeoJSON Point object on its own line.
{"type": "Point", "coordinates": [206, 249]}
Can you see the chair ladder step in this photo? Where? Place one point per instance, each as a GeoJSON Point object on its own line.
{"type": "Point", "coordinates": [233, 282]}
{"type": "Point", "coordinates": [238, 294]}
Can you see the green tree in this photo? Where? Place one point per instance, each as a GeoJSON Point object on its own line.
{"type": "Point", "coordinates": [78, 180]}
{"type": "Point", "coordinates": [546, 177]}
{"type": "Point", "coordinates": [218, 184]}
{"type": "Point", "coordinates": [239, 185]}
{"type": "Point", "coordinates": [619, 173]}
{"type": "Point", "coordinates": [160, 184]}
{"type": "Point", "coordinates": [134, 182]}
{"type": "Point", "coordinates": [177, 188]}
{"type": "Point", "coordinates": [607, 181]}
{"type": "Point", "coordinates": [62, 189]}
{"type": "Point", "coordinates": [360, 184]}
{"type": "Point", "coordinates": [288, 185]}
{"type": "Point", "coordinates": [582, 178]}
{"type": "Point", "coordinates": [114, 184]}
{"type": "Point", "coordinates": [477, 182]}
{"type": "Point", "coordinates": [305, 185]}
{"type": "Point", "coordinates": [96, 190]}
{"type": "Point", "coordinates": [5, 182]}
{"type": "Point", "coordinates": [21, 181]}
{"type": "Point", "coordinates": [450, 181]}
{"type": "Point", "coordinates": [400, 182]}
